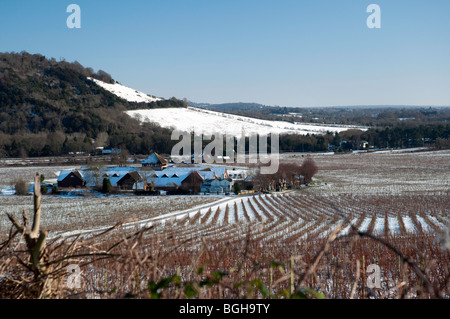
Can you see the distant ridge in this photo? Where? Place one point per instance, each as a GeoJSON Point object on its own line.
{"type": "Point", "coordinates": [252, 106]}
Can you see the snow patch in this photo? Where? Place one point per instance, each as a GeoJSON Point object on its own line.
{"type": "Point", "coordinates": [126, 93]}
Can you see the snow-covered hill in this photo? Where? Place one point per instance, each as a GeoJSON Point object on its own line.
{"type": "Point", "coordinates": [209, 122]}
{"type": "Point", "coordinates": [126, 93]}
{"type": "Point", "coordinates": [200, 120]}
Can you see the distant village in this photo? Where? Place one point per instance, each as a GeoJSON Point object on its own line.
{"type": "Point", "coordinates": [158, 176]}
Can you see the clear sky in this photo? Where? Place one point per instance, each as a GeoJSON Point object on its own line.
{"type": "Point", "coordinates": [285, 52]}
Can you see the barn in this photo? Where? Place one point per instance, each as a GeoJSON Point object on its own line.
{"type": "Point", "coordinates": [216, 186]}
{"type": "Point", "coordinates": [155, 161]}
{"type": "Point", "coordinates": [129, 180]}
{"type": "Point", "coordinates": [173, 179]}
{"type": "Point", "coordinates": [71, 179]}
{"type": "Point", "coordinates": [192, 183]}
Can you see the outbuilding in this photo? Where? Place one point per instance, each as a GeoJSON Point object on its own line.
{"type": "Point", "coordinates": [129, 180]}
{"type": "Point", "coordinates": [71, 179]}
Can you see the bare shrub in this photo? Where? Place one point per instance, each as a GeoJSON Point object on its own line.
{"type": "Point", "coordinates": [21, 187]}
{"type": "Point", "coordinates": [309, 169]}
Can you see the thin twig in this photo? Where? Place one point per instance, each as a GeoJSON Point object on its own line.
{"type": "Point", "coordinates": [311, 269]}
{"type": "Point", "coordinates": [358, 274]}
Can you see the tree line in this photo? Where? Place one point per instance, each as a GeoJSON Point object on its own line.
{"type": "Point", "coordinates": [437, 135]}
{"type": "Point", "coordinates": [375, 116]}
{"type": "Point", "coordinates": [135, 138]}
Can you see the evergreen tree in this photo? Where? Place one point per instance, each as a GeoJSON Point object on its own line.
{"type": "Point", "coordinates": [106, 188]}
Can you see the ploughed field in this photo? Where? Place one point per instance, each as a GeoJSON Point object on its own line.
{"type": "Point", "coordinates": [79, 213]}
{"type": "Point", "coordinates": [383, 193]}
{"type": "Point", "coordinates": [290, 217]}
{"type": "Point", "coordinates": [392, 193]}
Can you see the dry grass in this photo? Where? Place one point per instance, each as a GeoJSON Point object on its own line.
{"type": "Point", "coordinates": [123, 263]}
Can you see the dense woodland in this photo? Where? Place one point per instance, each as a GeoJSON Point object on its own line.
{"type": "Point", "coordinates": [50, 108]}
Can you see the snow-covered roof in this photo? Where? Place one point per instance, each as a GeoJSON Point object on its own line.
{"type": "Point", "coordinates": [64, 173]}
{"type": "Point", "coordinates": [169, 177]}
{"type": "Point", "coordinates": [206, 174]}
{"type": "Point", "coordinates": [219, 171]}
{"type": "Point", "coordinates": [95, 177]}
{"type": "Point", "coordinates": [154, 159]}
{"type": "Point", "coordinates": [164, 182]}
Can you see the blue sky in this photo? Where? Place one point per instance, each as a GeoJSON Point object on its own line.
{"type": "Point", "coordinates": [285, 52]}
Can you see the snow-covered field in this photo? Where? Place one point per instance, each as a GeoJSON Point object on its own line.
{"type": "Point", "coordinates": [204, 121]}
{"type": "Point", "coordinates": [287, 216]}
{"type": "Point", "coordinates": [60, 213]}
{"type": "Point", "coordinates": [376, 190]}
{"type": "Point", "coordinates": [8, 175]}
{"type": "Point", "coordinates": [380, 173]}
{"type": "Point", "coordinates": [275, 217]}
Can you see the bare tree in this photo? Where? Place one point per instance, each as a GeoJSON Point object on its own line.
{"type": "Point", "coordinates": [309, 169]}
{"type": "Point", "coordinates": [101, 139]}
{"type": "Point", "coordinates": [287, 175]}
{"type": "Point", "coordinates": [146, 174]}
{"type": "Point", "coordinates": [35, 237]}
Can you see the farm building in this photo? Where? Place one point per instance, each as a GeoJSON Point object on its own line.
{"type": "Point", "coordinates": [146, 178]}
{"type": "Point", "coordinates": [129, 180]}
{"type": "Point", "coordinates": [111, 151]}
{"type": "Point", "coordinates": [214, 172]}
{"type": "Point", "coordinates": [220, 172]}
{"type": "Point", "coordinates": [71, 179]}
{"type": "Point", "coordinates": [363, 145]}
{"type": "Point", "coordinates": [192, 183]}
{"type": "Point", "coordinates": [155, 161]}
{"type": "Point", "coordinates": [92, 177]}
{"type": "Point", "coordinates": [239, 174]}
{"type": "Point", "coordinates": [214, 186]}
{"type": "Point", "coordinates": [172, 179]}
{"type": "Point", "coordinates": [206, 174]}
